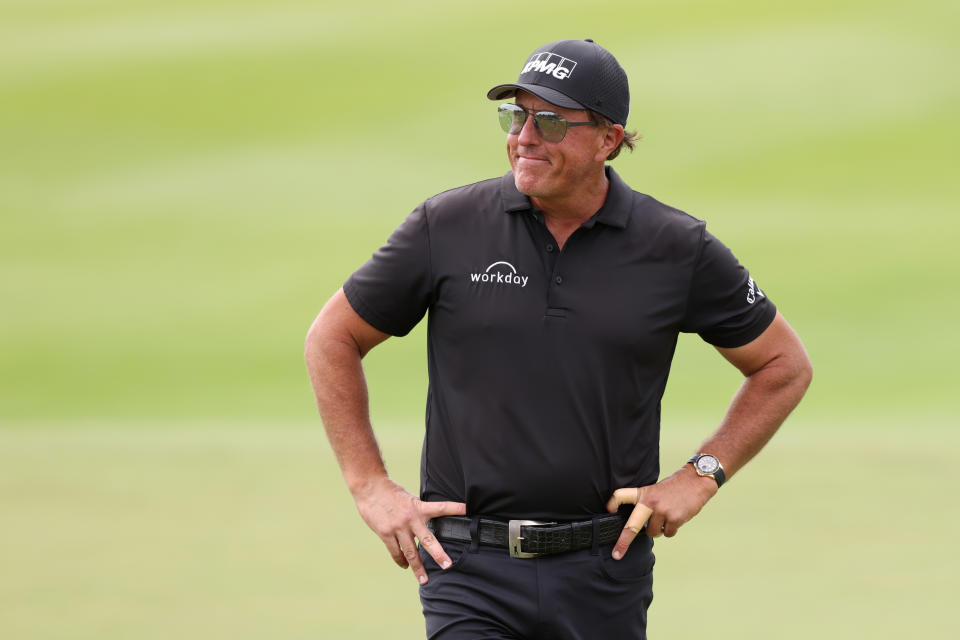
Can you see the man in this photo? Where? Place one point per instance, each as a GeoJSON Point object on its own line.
{"type": "Point", "coordinates": [555, 297]}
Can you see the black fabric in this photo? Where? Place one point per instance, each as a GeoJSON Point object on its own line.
{"type": "Point", "coordinates": [574, 596]}
{"type": "Point", "coordinates": [547, 367]}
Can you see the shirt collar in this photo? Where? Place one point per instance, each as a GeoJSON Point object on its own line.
{"type": "Point", "coordinates": [513, 200]}
{"type": "Point", "coordinates": [615, 211]}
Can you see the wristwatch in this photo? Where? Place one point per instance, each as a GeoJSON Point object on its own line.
{"type": "Point", "coordinates": [708, 465]}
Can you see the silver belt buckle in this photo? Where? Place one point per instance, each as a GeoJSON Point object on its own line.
{"type": "Point", "coordinates": [514, 539]}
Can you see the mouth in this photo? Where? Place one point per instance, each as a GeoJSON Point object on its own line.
{"type": "Point", "coordinates": [533, 160]}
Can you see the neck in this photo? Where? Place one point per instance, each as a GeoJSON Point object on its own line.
{"type": "Point", "coordinates": [563, 215]}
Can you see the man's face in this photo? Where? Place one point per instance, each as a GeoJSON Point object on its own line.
{"type": "Point", "coordinates": [554, 170]}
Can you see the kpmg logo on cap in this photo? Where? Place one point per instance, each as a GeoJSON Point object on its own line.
{"type": "Point", "coordinates": [551, 64]}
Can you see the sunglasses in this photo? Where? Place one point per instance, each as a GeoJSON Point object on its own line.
{"type": "Point", "coordinates": [552, 126]}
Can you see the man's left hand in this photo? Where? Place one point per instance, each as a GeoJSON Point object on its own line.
{"type": "Point", "coordinates": [664, 507]}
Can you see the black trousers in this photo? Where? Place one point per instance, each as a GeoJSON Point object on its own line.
{"type": "Point", "coordinates": [580, 595]}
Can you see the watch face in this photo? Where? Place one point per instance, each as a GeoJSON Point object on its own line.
{"type": "Point", "coordinates": [708, 464]}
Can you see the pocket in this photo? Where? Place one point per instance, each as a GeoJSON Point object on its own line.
{"type": "Point", "coordinates": [457, 551]}
{"type": "Point", "coordinates": [636, 566]}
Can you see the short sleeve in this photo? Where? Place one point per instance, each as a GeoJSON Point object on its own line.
{"type": "Point", "coordinates": [725, 307]}
{"type": "Point", "coordinates": [392, 290]}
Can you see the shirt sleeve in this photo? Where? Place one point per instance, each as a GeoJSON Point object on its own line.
{"type": "Point", "coordinates": [726, 307]}
{"type": "Point", "coordinates": [392, 290]}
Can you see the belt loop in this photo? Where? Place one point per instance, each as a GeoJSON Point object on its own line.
{"type": "Point", "coordinates": [475, 535]}
{"type": "Point", "coordinates": [595, 549]}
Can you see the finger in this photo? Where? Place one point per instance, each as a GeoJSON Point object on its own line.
{"type": "Point", "coordinates": [670, 529]}
{"type": "Point", "coordinates": [396, 551]}
{"type": "Point", "coordinates": [638, 517]}
{"type": "Point", "coordinates": [429, 542]}
{"type": "Point", "coordinates": [412, 556]}
{"type": "Point", "coordinates": [435, 509]}
{"type": "Point", "coordinates": [622, 496]}
{"type": "Point", "coordinates": [655, 525]}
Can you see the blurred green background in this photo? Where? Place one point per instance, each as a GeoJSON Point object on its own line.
{"type": "Point", "coordinates": [184, 184]}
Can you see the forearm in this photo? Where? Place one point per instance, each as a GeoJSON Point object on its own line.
{"type": "Point", "coordinates": [760, 406]}
{"type": "Point", "coordinates": [341, 392]}
{"type": "Point", "coordinates": [333, 356]}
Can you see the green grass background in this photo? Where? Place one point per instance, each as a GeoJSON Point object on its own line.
{"type": "Point", "coordinates": [184, 184]}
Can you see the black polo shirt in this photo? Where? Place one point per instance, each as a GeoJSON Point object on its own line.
{"type": "Point", "coordinates": [547, 367]}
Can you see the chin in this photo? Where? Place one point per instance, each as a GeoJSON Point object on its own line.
{"type": "Point", "coordinates": [527, 183]}
{"type": "Point", "coordinates": [528, 186]}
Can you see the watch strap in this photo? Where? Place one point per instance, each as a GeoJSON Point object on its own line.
{"type": "Point", "coordinates": [720, 477]}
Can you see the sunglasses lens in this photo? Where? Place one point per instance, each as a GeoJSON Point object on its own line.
{"type": "Point", "coordinates": [552, 127]}
{"type": "Point", "coordinates": [511, 118]}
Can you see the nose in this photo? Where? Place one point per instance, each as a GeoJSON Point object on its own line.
{"type": "Point", "coordinates": [528, 134]}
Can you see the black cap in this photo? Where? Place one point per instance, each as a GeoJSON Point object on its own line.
{"type": "Point", "coordinates": [574, 74]}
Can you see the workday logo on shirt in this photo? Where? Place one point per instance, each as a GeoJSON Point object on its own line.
{"type": "Point", "coordinates": [500, 273]}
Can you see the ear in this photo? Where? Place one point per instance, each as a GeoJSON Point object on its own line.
{"type": "Point", "coordinates": [612, 137]}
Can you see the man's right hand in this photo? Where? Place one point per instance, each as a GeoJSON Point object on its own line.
{"type": "Point", "coordinates": [335, 345]}
{"type": "Point", "coordinates": [400, 519]}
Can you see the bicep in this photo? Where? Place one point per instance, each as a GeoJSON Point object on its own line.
{"type": "Point", "coordinates": [778, 343]}
{"type": "Point", "coordinates": [338, 321]}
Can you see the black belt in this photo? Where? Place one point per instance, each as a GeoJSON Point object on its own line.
{"type": "Point", "coordinates": [531, 538]}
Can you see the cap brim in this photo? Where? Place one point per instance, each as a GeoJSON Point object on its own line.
{"type": "Point", "coordinates": [503, 91]}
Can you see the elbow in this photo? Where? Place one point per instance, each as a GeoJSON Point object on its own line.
{"type": "Point", "coordinates": [790, 372]}
{"type": "Point", "coordinates": [806, 374]}
{"type": "Point", "coordinates": [802, 372]}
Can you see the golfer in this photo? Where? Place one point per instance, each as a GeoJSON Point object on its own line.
{"type": "Point", "coordinates": [555, 295]}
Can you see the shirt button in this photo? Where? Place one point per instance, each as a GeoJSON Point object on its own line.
{"type": "Point", "coordinates": [549, 248]}
{"type": "Point", "coordinates": [558, 280]}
